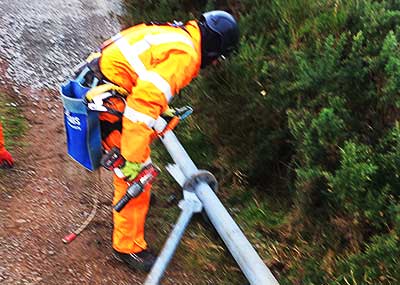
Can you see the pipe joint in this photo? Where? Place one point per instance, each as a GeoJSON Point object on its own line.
{"type": "Point", "coordinates": [199, 177]}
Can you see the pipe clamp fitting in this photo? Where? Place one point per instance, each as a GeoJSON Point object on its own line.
{"type": "Point", "coordinates": [201, 176]}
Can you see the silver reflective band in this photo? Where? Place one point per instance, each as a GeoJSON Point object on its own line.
{"type": "Point", "coordinates": [136, 116]}
{"type": "Point", "coordinates": [116, 37]}
{"type": "Point", "coordinates": [167, 38]}
{"type": "Point", "coordinates": [132, 52]}
{"type": "Point", "coordinates": [119, 173]}
{"type": "Point", "coordinates": [147, 162]}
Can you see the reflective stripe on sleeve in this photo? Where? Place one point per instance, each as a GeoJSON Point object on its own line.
{"type": "Point", "coordinates": [132, 52]}
{"type": "Point", "coordinates": [136, 116]}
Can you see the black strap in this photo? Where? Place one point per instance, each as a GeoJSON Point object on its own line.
{"type": "Point", "coordinates": [109, 104]}
{"type": "Point", "coordinates": [107, 128]}
{"type": "Point", "coordinates": [95, 68]}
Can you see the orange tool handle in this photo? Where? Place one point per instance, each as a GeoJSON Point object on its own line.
{"type": "Point", "coordinates": [171, 125]}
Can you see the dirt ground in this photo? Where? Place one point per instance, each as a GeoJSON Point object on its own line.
{"type": "Point", "coordinates": [47, 195]}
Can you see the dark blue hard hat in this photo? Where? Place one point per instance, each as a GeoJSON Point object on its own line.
{"type": "Point", "coordinates": [220, 35]}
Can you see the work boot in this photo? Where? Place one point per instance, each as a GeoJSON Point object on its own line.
{"type": "Point", "coordinates": [143, 260]}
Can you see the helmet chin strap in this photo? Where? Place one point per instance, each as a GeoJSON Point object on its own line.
{"type": "Point", "coordinates": [208, 58]}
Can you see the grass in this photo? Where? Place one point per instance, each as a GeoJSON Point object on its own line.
{"type": "Point", "coordinates": [14, 124]}
{"type": "Point", "coordinates": [201, 253]}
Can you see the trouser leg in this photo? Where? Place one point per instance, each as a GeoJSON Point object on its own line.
{"type": "Point", "coordinates": [128, 234]}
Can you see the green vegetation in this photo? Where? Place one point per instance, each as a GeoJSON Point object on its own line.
{"type": "Point", "coordinates": [305, 135]}
{"type": "Point", "coordinates": [14, 125]}
{"type": "Point", "coordinates": [13, 122]}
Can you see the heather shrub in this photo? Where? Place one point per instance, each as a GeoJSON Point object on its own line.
{"type": "Point", "coordinates": [306, 113]}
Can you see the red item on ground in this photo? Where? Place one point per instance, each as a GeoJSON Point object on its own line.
{"type": "Point", "coordinates": [6, 160]}
{"type": "Point", "coordinates": [68, 238]}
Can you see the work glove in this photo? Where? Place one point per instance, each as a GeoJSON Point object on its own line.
{"type": "Point", "coordinates": [170, 112]}
{"type": "Point", "coordinates": [182, 112]}
{"type": "Point", "coordinates": [6, 160]}
{"type": "Point", "coordinates": [130, 170]}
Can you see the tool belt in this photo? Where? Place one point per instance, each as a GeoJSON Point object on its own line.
{"type": "Point", "coordinates": [93, 111]}
{"type": "Point", "coordinates": [93, 114]}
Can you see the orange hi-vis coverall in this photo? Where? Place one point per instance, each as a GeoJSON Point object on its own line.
{"type": "Point", "coordinates": [151, 62]}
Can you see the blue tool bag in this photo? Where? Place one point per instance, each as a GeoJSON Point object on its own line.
{"type": "Point", "coordinates": [82, 125]}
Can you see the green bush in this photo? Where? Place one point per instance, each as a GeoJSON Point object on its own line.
{"type": "Point", "coordinates": [378, 264]}
{"type": "Point", "coordinates": [308, 112]}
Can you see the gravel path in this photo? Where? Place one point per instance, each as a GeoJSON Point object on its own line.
{"type": "Point", "coordinates": [43, 39]}
{"type": "Point", "coordinates": [46, 195]}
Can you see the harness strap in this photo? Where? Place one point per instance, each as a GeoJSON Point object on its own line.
{"type": "Point", "coordinates": [114, 112]}
{"type": "Point", "coordinates": [107, 128]}
{"type": "Point", "coordinates": [94, 66]}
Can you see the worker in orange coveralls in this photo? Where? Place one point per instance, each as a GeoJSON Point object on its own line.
{"type": "Point", "coordinates": [151, 63]}
{"type": "Point", "coordinates": [6, 161]}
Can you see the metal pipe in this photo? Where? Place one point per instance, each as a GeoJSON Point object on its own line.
{"type": "Point", "coordinates": [242, 251]}
{"type": "Point", "coordinates": [157, 271]}
{"type": "Point", "coordinates": [247, 258]}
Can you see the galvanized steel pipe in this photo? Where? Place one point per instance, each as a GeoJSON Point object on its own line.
{"type": "Point", "coordinates": [247, 258]}
{"type": "Point", "coordinates": [171, 244]}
